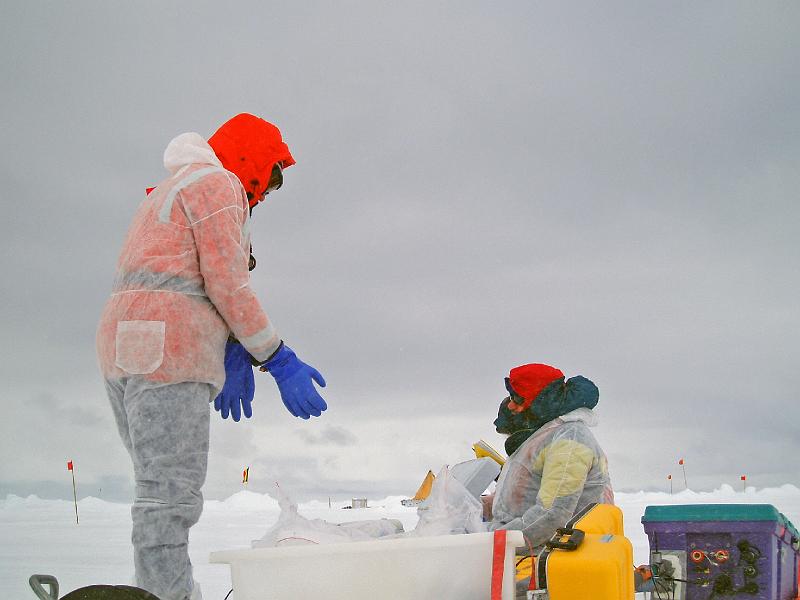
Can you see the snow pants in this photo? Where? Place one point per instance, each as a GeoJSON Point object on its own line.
{"type": "Point", "coordinates": [165, 429]}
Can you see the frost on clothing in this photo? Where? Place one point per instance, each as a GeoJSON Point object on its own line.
{"type": "Point", "coordinates": [556, 471]}
{"type": "Point", "coordinates": [182, 281]}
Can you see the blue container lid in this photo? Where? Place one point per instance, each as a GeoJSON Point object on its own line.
{"type": "Point", "coordinates": [717, 512]}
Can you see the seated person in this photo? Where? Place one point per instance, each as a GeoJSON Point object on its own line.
{"type": "Point", "coordinates": [555, 466]}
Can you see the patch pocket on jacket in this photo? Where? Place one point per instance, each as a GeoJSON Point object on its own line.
{"type": "Point", "coordinates": [140, 346]}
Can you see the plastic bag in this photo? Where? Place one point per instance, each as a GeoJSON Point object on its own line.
{"type": "Point", "coordinates": [449, 509]}
{"type": "Point", "coordinates": [293, 529]}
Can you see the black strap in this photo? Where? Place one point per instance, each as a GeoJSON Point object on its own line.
{"type": "Point", "coordinates": [579, 515]}
{"type": "Point", "coordinates": [554, 543]}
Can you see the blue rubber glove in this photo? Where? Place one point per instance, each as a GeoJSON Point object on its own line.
{"type": "Point", "coordinates": [240, 386]}
{"type": "Point", "coordinates": [294, 379]}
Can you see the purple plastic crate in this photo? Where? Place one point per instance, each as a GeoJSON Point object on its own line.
{"type": "Point", "coordinates": [725, 551]}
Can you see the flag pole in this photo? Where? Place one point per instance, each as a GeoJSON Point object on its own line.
{"type": "Point", "coordinates": [686, 485]}
{"type": "Point", "coordinates": [74, 490]}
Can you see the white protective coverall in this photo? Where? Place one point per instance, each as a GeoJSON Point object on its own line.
{"type": "Point", "coordinates": [182, 286]}
{"type": "Point", "coordinates": [553, 474]}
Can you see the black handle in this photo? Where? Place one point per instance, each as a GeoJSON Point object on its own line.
{"type": "Point", "coordinates": [573, 541]}
{"type": "Point", "coordinates": [38, 582]}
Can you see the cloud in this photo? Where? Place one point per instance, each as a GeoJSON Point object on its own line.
{"type": "Point", "coordinates": [329, 436]}
{"type": "Point", "coordinates": [611, 190]}
{"type": "Point", "coordinates": [63, 413]}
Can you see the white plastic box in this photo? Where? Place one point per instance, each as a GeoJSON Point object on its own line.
{"type": "Point", "coordinates": [448, 567]}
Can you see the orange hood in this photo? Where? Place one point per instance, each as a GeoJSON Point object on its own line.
{"type": "Point", "coordinates": [249, 147]}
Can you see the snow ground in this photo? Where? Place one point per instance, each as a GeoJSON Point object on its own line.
{"type": "Point", "coordinates": [41, 536]}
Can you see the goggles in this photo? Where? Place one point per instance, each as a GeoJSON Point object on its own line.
{"type": "Point", "coordinates": [516, 403]}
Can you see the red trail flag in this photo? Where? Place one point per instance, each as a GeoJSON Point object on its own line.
{"type": "Point", "coordinates": [74, 489]}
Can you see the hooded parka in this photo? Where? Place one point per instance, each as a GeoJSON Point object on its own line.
{"type": "Point", "coordinates": [182, 283]}
{"type": "Point", "coordinates": [555, 466]}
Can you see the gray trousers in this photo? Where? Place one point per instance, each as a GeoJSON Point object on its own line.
{"type": "Point", "coordinates": [165, 429]}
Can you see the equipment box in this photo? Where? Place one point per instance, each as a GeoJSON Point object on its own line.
{"type": "Point", "coordinates": [735, 551]}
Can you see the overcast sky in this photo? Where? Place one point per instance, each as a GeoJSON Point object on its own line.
{"type": "Point", "coordinates": [609, 188]}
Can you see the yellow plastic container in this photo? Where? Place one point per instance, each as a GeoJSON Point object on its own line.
{"type": "Point", "coordinates": [590, 559]}
{"type": "Point", "coordinates": [600, 519]}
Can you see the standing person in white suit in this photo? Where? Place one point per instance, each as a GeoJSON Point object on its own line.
{"type": "Point", "coordinates": [183, 328]}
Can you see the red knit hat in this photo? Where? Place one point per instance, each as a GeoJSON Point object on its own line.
{"type": "Point", "coordinates": [249, 147]}
{"type": "Point", "coordinates": [528, 380]}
